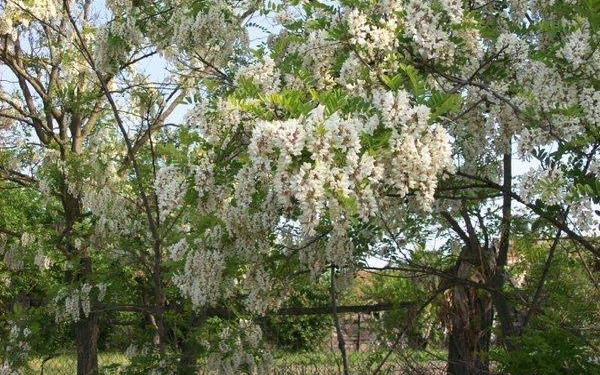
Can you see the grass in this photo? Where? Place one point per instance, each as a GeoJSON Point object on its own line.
{"type": "Point", "coordinates": [66, 364]}
{"type": "Point", "coordinates": [307, 363]}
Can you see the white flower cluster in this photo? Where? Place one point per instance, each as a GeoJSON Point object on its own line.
{"type": "Point", "coordinates": [8, 369]}
{"type": "Point", "coordinates": [259, 287]}
{"type": "Point", "coordinates": [396, 108]}
{"type": "Point", "coordinates": [339, 248]}
{"type": "Point", "coordinates": [511, 46]}
{"type": "Point", "coordinates": [312, 184]}
{"type": "Point", "coordinates": [23, 12]}
{"type": "Point", "coordinates": [339, 170]}
{"type": "Point", "coordinates": [211, 33]}
{"type": "Point", "coordinates": [589, 100]}
{"type": "Point", "coordinates": [314, 258]}
{"type": "Point", "coordinates": [17, 351]}
{"type": "Point", "coordinates": [550, 91]}
{"type": "Point", "coordinates": [205, 185]}
{"type": "Point", "coordinates": [178, 250]}
{"type": "Point", "coordinates": [73, 304]}
{"type": "Point", "coordinates": [114, 41]}
{"type": "Point", "coordinates": [263, 75]}
{"type": "Point", "coordinates": [17, 337]}
{"type": "Point", "coordinates": [351, 77]}
{"type": "Point", "coordinates": [13, 257]}
{"type": "Point", "coordinates": [453, 9]}
{"type": "Point", "coordinates": [585, 219]}
{"type": "Point", "coordinates": [529, 139]}
{"type": "Point", "coordinates": [472, 48]}
{"type": "Point", "coordinates": [212, 122]}
{"type": "Point", "coordinates": [236, 351]}
{"type": "Point", "coordinates": [27, 239]}
{"type": "Point", "coordinates": [317, 54]}
{"type": "Point", "coordinates": [425, 27]}
{"type": "Point", "coordinates": [372, 38]}
{"type": "Point", "coordinates": [170, 187]}
{"type": "Point", "coordinates": [200, 280]}
{"type": "Point", "coordinates": [547, 184]}
{"type": "Point", "coordinates": [134, 350]}
{"type": "Point", "coordinates": [420, 156]}
{"type": "Point", "coordinates": [110, 208]}
{"type": "Point", "coordinates": [44, 188]}
{"type": "Point", "coordinates": [576, 49]}
{"type": "Point", "coordinates": [42, 261]}
{"type": "Point", "coordinates": [249, 229]}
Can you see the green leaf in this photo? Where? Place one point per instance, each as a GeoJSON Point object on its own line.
{"type": "Point", "coordinates": [442, 103]}
{"type": "Point", "coordinates": [418, 87]}
{"type": "Point", "coordinates": [393, 83]}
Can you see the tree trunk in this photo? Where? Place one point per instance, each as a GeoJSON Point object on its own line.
{"type": "Point", "coordinates": [86, 328]}
{"type": "Point", "coordinates": [161, 332]}
{"type": "Point", "coordinates": [470, 315]}
{"type": "Point", "coordinates": [506, 314]}
{"type": "Point", "coordinates": [87, 345]}
{"type": "Point", "coordinates": [470, 334]}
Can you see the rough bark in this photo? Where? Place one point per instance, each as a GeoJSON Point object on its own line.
{"type": "Point", "coordinates": [470, 314]}
{"type": "Point", "coordinates": [86, 329]}
{"type": "Point", "coordinates": [87, 345]}
{"type": "Point", "coordinates": [469, 339]}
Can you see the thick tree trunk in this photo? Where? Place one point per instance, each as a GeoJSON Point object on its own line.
{"type": "Point", "coordinates": [470, 315]}
{"type": "Point", "coordinates": [87, 345]}
{"type": "Point", "coordinates": [86, 328]}
{"type": "Point", "coordinates": [469, 340]}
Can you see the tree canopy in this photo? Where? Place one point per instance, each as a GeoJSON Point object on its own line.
{"type": "Point", "coordinates": [202, 166]}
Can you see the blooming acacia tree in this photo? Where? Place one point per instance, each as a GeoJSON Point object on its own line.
{"type": "Point", "coordinates": [355, 130]}
{"type": "Point", "coordinates": [357, 111]}
{"type": "Point", "coordinates": [69, 76]}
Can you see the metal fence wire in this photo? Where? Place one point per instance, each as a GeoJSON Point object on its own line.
{"type": "Point", "coordinates": [67, 365]}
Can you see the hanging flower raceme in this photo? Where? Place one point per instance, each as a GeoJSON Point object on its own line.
{"type": "Point", "coordinates": [170, 188]}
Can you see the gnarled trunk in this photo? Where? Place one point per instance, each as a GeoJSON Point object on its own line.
{"type": "Point", "coordinates": [470, 333]}
{"type": "Point", "coordinates": [470, 314]}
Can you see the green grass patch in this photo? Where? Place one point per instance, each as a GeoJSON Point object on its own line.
{"type": "Point", "coordinates": [66, 364]}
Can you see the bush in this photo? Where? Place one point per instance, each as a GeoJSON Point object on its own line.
{"type": "Point", "coordinates": [550, 351]}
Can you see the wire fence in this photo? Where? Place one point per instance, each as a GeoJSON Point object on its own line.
{"type": "Point", "coordinates": [67, 365]}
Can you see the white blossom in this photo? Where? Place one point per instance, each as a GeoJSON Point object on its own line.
{"type": "Point", "coordinates": [13, 257]}
{"type": "Point", "coordinates": [577, 49]}
{"type": "Point", "coordinates": [170, 188]}
{"type": "Point", "coordinates": [201, 277]}
{"type": "Point", "coordinates": [42, 261]}
{"type": "Point", "coordinates": [264, 75]}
